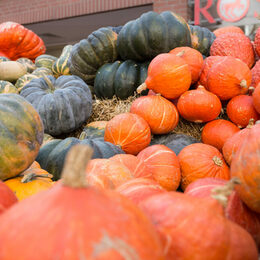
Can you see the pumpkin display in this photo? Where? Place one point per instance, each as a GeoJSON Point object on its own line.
{"type": "Point", "coordinates": [256, 99]}
{"type": "Point", "coordinates": [29, 182]}
{"type": "Point", "coordinates": [100, 224]}
{"type": "Point", "coordinates": [119, 78]}
{"type": "Point", "coordinates": [128, 131]}
{"type": "Point", "coordinates": [45, 61]}
{"type": "Point", "coordinates": [88, 55]}
{"type": "Point", "coordinates": [25, 79]}
{"type": "Point", "coordinates": [229, 78]}
{"type": "Point", "coordinates": [7, 87]}
{"type": "Point", "coordinates": [227, 45]}
{"type": "Point", "coordinates": [30, 66]}
{"type": "Point", "coordinates": [199, 105]}
{"type": "Point", "coordinates": [21, 135]}
{"type": "Point", "coordinates": [16, 41]}
{"type": "Point", "coordinates": [163, 164]}
{"type": "Point", "coordinates": [202, 38]}
{"type": "Point", "coordinates": [51, 156]}
{"type": "Point", "coordinates": [168, 75]}
{"type": "Point", "coordinates": [193, 58]}
{"type": "Point", "coordinates": [64, 104]}
{"type": "Point", "coordinates": [240, 110]}
{"type": "Point", "coordinates": [245, 166]}
{"type": "Point", "coordinates": [40, 72]}
{"type": "Point", "coordinates": [161, 115]}
{"type": "Point", "coordinates": [257, 42]}
{"type": "Point", "coordinates": [228, 29]}
{"type": "Point", "coordinates": [11, 70]}
{"type": "Point", "coordinates": [256, 74]}
{"type": "Point", "coordinates": [217, 132]}
{"type": "Point", "coordinates": [93, 130]}
{"type": "Point", "coordinates": [7, 197]}
{"type": "Point", "coordinates": [201, 161]}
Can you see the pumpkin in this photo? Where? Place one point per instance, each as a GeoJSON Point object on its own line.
{"type": "Point", "coordinates": [257, 41]}
{"type": "Point", "coordinates": [227, 45]}
{"type": "Point", "coordinates": [228, 29]}
{"type": "Point", "coordinates": [235, 209]}
{"type": "Point", "coordinates": [168, 75]}
{"type": "Point", "coordinates": [151, 34]}
{"type": "Point", "coordinates": [51, 156]}
{"type": "Point", "coordinates": [64, 104]}
{"type": "Point", "coordinates": [45, 61]}
{"type": "Point", "coordinates": [40, 72]}
{"type": "Point", "coordinates": [202, 38]}
{"type": "Point", "coordinates": [61, 65]}
{"type": "Point", "coordinates": [128, 131]}
{"type": "Point", "coordinates": [21, 135]}
{"type": "Point", "coordinates": [7, 197]}
{"type": "Point", "coordinates": [217, 132]}
{"type": "Point", "coordinates": [119, 79]}
{"type": "Point", "coordinates": [163, 164]}
{"type": "Point", "coordinates": [161, 115]}
{"type": "Point", "coordinates": [30, 66]}
{"type": "Point", "coordinates": [229, 78]}
{"type": "Point", "coordinates": [196, 228]}
{"type": "Point", "coordinates": [93, 130]}
{"type": "Point", "coordinates": [136, 166]}
{"type": "Point", "coordinates": [256, 99]}
{"type": "Point", "coordinates": [100, 224]}
{"type": "Point", "coordinates": [16, 41]}
{"type": "Point", "coordinates": [256, 74]}
{"type": "Point", "coordinates": [7, 87]}
{"type": "Point", "coordinates": [240, 110]}
{"type": "Point", "coordinates": [245, 166]}
{"type": "Point", "coordinates": [47, 138]}
{"type": "Point", "coordinates": [199, 105]}
{"type": "Point", "coordinates": [201, 161]}
{"type": "Point", "coordinates": [11, 70]}
{"type": "Point", "coordinates": [29, 182]}
{"type": "Point", "coordinates": [139, 189]}
{"type": "Point", "coordinates": [88, 55]}
{"type": "Point", "coordinates": [193, 58]}
{"type": "Point", "coordinates": [25, 79]}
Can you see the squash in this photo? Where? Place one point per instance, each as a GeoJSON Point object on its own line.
{"type": "Point", "coordinates": [64, 104]}
{"type": "Point", "coordinates": [7, 87]}
{"type": "Point", "coordinates": [151, 34]}
{"type": "Point", "coordinates": [256, 98]}
{"type": "Point", "coordinates": [256, 74]}
{"type": "Point", "coordinates": [40, 72]}
{"type": "Point", "coordinates": [21, 135]}
{"type": "Point", "coordinates": [11, 70]}
{"type": "Point", "coordinates": [257, 41]}
{"type": "Point", "coordinates": [30, 66]}
{"type": "Point", "coordinates": [45, 61]}
{"type": "Point", "coordinates": [25, 79]}
{"type": "Point", "coordinates": [7, 197]}
{"type": "Point", "coordinates": [93, 130]}
{"type": "Point", "coordinates": [228, 29]}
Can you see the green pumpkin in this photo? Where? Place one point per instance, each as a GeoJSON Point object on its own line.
{"type": "Point", "coordinates": [7, 87]}
{"type": "Point", "coordinates": [94, 129]}
{"type": "Point", "coordinates": [88, 55]}
{"type": "Point", "coordinates": [61, 66]}
{"type": "Point", "coordinates": [202, 38]}
{"type": "Point", "coordinates": [151, 34]}
{"type": "Point", "coordinates": [39, 72]}
{"type": "Point", "coordinates": [120, 79]}
{"type": "Point", "coordinates": [25, 79]}
{"type": "Point", "coordinates": [45, 61]}
{"type": "Point", "coordinates": [2, 58]}
{"type": "Point", "coordinates": [30, 66]}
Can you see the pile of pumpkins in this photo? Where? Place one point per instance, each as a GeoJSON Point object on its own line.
{"type": "Point", "coordinates": [131, 188]}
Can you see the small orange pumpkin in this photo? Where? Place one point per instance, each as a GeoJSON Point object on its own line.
{"type": "Point", "coordinates": [256, 98]}
{"type": "Point", "coordinates": [228, 29]}
{"type": "Point", "coordinates": [256, 74]}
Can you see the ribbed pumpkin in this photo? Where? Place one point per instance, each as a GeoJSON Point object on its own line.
{"type": "Point", "coordinates": [245, 166]}
{"type": "Point", "coordinates": [200, 161]}
{"type": "Point", "coordinates": [240, 110]}
{"type": "Point", "coordinates": [45, 61]}
{"type": "Point", "coordinates": [21, 135]}
{"type": "Point", "coordinates": [7, 197]}
{"type": "Point", "coordinates": [29, 182]}
{"type": "Point", "coordinates": [94, 129]}
{"type": "Point", "coordinates": [193, 58]}
{"type": "Point", "coordinates": [99, 224]}
{"type": "Point", "coordinates": [128, 131]}
{"type": "Point", "coordinates": [229, 78]}
{"type": "Point", "coordinates": [195, 228]}
{"type": "Point", "coordinates": [161, 115]}
{"type": "Point", "coordinates": [256, 98]}
{"type": "Point", "coordinates": [30, 66]}
{"type": "Point", "coordinates": [168, 75]}
{"type": "Point", "coordinates": [256, 74]}
{"type": "Point", "coordinates": [7, 87]}
{"type": "Point", "coordinates": [217, 132]}
{"type": "Point", "coordinates": [25, 79]}
{"type": "Point", "coordinates": [228, 29]}
{"type": "Point", "coordinates": [163, 164]}
{"type": "Point", "coordinates": [257, 42]}
{"type": "Point", "coordinates": [199, 105]}
{"type": "Point", "coordinates": [237, 45]}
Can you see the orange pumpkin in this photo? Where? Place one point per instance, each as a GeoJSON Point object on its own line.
{"type": "Point", "coordinates": [256, 74]}
{"type": "Point", "coordinates": [200, 161]}
{"type": "Point", "coordinates": [193, 58]}
{"type": "Point", "coordinates": [161, 115]}
{"type": "Point", "coordinates": [168, 75]}
{"type": "Point", "coordinates": [228, 29]}
{"type": "Point", "coordinates": [129, 131]}
{"type": "Point", "coordinates": [256, 98]}
{"type": "Point", "coordinates": [163, 163]}
{"type": "Point", "coordinates": [7, 197]}
{"type": "Point", "coordinates": [199, 105]}
{"type": "Point", "coordinates": [229, 78]}
{"type": "Point", "coordinates": [217, 132]}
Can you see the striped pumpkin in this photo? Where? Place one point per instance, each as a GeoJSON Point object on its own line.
{"type": "Point", "coordinates": [45, 60]}
{"type": "Point", "coordinates": [22, 81]}
{"type": "Point", "coordinates": [30, 66]}
{"type": "Point", "coordinates": [40, 71]}
{"type": "Point", "coordinates": [7, 87]}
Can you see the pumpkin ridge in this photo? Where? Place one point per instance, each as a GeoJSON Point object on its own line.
{"type": "Point", "coordinates": [156, 153]}
{"type": "Point", "coordinates": [86, 51]}
{"type": "Point", "coordinates": [130, 131]}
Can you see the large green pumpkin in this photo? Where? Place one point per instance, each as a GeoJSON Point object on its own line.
{"type": "Point", "coordinates": [88, 55]}
{"type": "Point", "coordinates": [151, 34]}
{"type": "Point", "coordinates": [21, 135]}
{"type": "Point", "coordinates": [64, 104]}
{"type": "Point", "coordinates": [120, 79]}
{"type": "Point", "coordinates": [52, 155]}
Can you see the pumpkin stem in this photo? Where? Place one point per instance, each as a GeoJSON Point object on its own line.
{"type": "Point", "coordinates": [32, 176]}
{"type": "Point", "coordinates": [243, 83]}
{"type": "Point", "coordinates": [74, 170]}
{"type": "Point", "coordinates": [47, 80]}
{"type": "Point", "coordinates": [82, 135]}
{"type": "Point", "coordinates": [180, 54]}
{"type": "Point", "coordinates": [141, 88]}
{"type": "Point", "coordinates": [217, 161]}
{"type": "Point", "coordinates": [251, 90]}
{"type": "Point", "coordinates": [221, 193]}
{"type": "Point", "coordinates": [251, 123]}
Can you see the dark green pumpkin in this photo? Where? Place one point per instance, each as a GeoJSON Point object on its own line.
{"type": "Point", "coordinates": [151, 34]}
{"type": "Point", "coordinates": [64, 104]}
{"type": "Point", "coordinates": [7, 87]}
{"type": "Point", "coordinates": [30, 66]}
{"type": "Point", "coordinates": [120, 79]}
{"type": "Point", "coordinates": [202, 38]}
{"type": "Point", "coordinates": [51, 156]}
{"type": "Point", "coordinates": [45, 61]}
{"type": "Point", "coordinates": [25, 79]}
{"type": "Point", "coordinates": [88, 55]}
{"type": "Point", "coordinates": [94, 129]}
{"type": "Point", "coordinates": [39, 72]}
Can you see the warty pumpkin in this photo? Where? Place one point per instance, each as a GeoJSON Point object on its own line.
{"type": "Point", "coordinates": [256, 98]}
{"type": "Point", "coordinates": [7, 197]}
{"type": "Point", "coordinates": [228, 29]}
{"type": "Point", "coordinates": [257, 42]}
{"type": "Point", "coordinates": [256, 74]}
